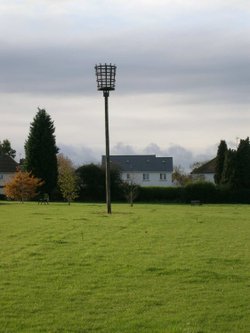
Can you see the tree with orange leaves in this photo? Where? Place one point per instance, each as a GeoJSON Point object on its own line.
{"type": "Point", "coordinates": [22, 186]}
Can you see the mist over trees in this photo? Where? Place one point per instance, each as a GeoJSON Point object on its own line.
{"type": "Point", "coordinates": [41, 151]}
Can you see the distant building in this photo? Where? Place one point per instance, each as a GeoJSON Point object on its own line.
{"type": "Point", "coordinates": [205, 172]}
{"type": "Point", "coordinates": [144, 170]}
{"type": "Point", "coordinates": [8, 167]}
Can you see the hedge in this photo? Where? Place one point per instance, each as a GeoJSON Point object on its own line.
{"type": "Point", "coordinates": [205, 192]}
{"type": "Point", "coordinates": [161, 194]}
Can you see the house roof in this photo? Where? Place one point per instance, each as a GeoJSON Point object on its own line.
{"type": "Point", "coordinates": [208, 167]}
{"type": "Point", "coordinates": [7, 164]}
{"type": "Point", "coordinates": [141, 163]}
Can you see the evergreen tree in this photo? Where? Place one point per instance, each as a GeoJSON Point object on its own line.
{"type": "Point", "coordinates": [220, 159]}
{"type": "Point", "coordinates": [41, 150]}
{"type": "Point", "coordinates": [6, 149]}
{"type": "Point", "coordinates": [243, 164]}
{"type": "Point", "coordinates": [229, 174]}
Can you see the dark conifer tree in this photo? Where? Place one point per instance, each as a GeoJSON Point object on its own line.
{"type": "Point", "coordinates": [220, 159]}
{"type": "Point", "coordinates": [41, 150]}
{"type": "Point", "coordinates": [229, 174]}
{"type": "Point", "coordinates": [243, 164]}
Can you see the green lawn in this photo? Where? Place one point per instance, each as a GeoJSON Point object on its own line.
{"type": "Point", "coordinates": [149, 268]}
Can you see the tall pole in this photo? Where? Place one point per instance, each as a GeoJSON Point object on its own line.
{"type": "Point", "coordinates": [107, 166]}
{"type": "Point", "coordinates": [105, 78]}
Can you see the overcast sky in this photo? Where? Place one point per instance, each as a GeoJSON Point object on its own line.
{"type": "Point", "coordinates": [183, 74]}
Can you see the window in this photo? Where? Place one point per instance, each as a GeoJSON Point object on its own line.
{"type": "Point", "coordinates": [145, 177]}
{"type": "Point", "coordinates": [1, 176]}
{"type": "Point", "coordinates": [128, 176]}
{"type": "Point", "coordinates": [163, 176]}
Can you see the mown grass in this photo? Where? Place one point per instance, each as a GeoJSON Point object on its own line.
{"type": "Point", "coordinates": [150, 268]}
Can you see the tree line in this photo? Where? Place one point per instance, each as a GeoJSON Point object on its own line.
{"type": "Point", "coordinates": [48, 173]}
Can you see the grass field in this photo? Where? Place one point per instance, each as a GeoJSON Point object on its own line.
{"type": "Point", "coordinates": [149, 268]}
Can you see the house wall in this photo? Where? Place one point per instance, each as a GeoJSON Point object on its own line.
{"type": "Point", "coordinates": [148, 178]}
{"type": "Point", "coordinates": [5, 177]}
{"type": "Point", "coordinates": [207, 177]}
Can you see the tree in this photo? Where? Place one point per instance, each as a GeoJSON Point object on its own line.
{"type": "Point", "coordinates": [6, 149]}
{"type": "Point", "coordinates": [92, 183]}
{"type": "Point", "coordinates": [229, 174]}
{"type": "Point", "coordinates": [22, 186]}
{"type": "Point", "coordinates": [131, 191]}
{"type": "Point", "coordinates": [220, 160]}
{"type": "Point", "coordinates": [243, 164]}
{"type": "Point", "coordinates": [41, 150]}
{"type": "Point", "coordinates": [236, 169]}
{"type": "Point", "coordinates": [67, 179]}
{"type": "Point", "coordinates": [115, 182]}
{"type": "Point", "coordinates": [179, 177]}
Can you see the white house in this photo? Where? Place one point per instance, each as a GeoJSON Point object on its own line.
{"type": "Point", "coordinates": [144, 170]}
{"type": "Point", "coordinates": [205, 172]}
{"type": "Point", "coordinates": [8, 167]}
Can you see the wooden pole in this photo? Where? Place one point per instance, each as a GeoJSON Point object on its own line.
{"type": "Point", "coordinates": [107, 169]}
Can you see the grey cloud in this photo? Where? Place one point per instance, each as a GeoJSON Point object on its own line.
{"type": "Point", "coordinates": [123, 149]}
{"type": "Point", "coordinates": [171, 62]}
{"type": "Point", "coordinates": [44, 70]}
{"type": "Point", "coordinates": [181, 156]}
{"type": "Point", "coordinates": [80, 154]}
